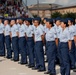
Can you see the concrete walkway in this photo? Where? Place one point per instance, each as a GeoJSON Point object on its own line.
{"type": "Point", "coordinates": [8, 67]}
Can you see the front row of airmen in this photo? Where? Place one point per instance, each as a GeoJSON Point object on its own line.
{"type": "Point", "coordinates": [28, 36]}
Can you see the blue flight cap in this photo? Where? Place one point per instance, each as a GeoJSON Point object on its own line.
{"type": "Point", "coordinates": [25, 19]}
{"type": "Point", "coordinates": [45, 18]}
{"type": "Point", "coordinates": [20, 18]}
{"type": "Point", "coordinates": [29, 20]}
{"type": "Point", "coordinates": [65, 21]}
{"type": "Point", "coordinates": [58, 18]}
{"type": "Point", "coordinates": [13, 19]}
{"type": "Point", "coordinates": [7, 19]}
{"type": "Point", "coordinates": [71, 19]}
{"type": "Point", "coordinates": [50, 21]}
{"type": "Point", "coordinates": [38, 18]}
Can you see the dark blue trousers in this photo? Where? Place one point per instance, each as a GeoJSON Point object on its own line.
{"type": "Point", "coordinates": [27, 53]}
{"type": "Point", "coordinates": [22, 46]}
{"type": "Point", "coordinates": [2, 46]}
{"type": "Point", "coordinates": [72, 55]}
{"type": "Point", "coordinates": [8, 46]}
{"type": "Point", "coordinates": [30, 46]}
{"type": "Point", "coordinates": [39, 54]}
{"type": "Point", "coordinates": [57, 56]}
{"type": "Point", "coordinates": [64, 58]}
{"type": "Point", "coordinates": [51, 51]}
{"type": "Point", "coordinates": [15, 48]}
{"type": "Point", "coordinates": [75, 56]}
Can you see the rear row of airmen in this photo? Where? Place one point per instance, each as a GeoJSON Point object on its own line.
{"type": "Point", "coordinates": [28, 36]}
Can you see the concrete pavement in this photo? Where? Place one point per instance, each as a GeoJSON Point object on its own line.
{"type": "Point", "coordinates": [8, 67]}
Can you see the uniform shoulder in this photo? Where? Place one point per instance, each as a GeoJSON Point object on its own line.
{"type": "Point", "coordinates": [8, 26]}
{"type": "Point", "coordinates": [2, 24]}
{"type": "Point", "coordinates": [15, 25]}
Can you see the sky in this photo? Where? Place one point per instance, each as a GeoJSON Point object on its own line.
{"type": "Point", "coordinates": [61, 2]}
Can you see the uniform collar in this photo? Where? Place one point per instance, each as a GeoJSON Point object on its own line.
{"type": "Point", "coordinates": [1, 24]}
{"type": "Point", "coordinates": [64, 29]}
{"type": "Point", "coordinates": [7, 25]}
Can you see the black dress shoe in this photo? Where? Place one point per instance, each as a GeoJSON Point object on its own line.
{"type": "Point", "coordinates": [47, 72]}
{"type": "Point", "coordinates": [12, 59]}
{"type": "Point", "coordinates": [41, 70]}
{"type": "Point", "coordinates": [2, 55]}
{"type": "Point", "coordinates": [27, 64]}
{"type": "Point", "coordinates": [16, 60]}
{"type": "Point", "coordinates": [21, 63]}
{"type": "Point", "coordinates": [52, 74]}
{"type": "Point", "coordinates": [35, 68]}
{"type": "Point", "coordinates": [8, 57]}
{"type": "Point", "coordinates": [74, 70]}
{"type": "Point", "coordinates": [31, 66]}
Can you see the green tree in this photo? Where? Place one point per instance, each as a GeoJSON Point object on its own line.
{"type": "Point", "coordinates": [35, 16]}
{"type": "Point", "coordinates": [56, 14]}
{"type": "Point", "coordinates": [69, 15]}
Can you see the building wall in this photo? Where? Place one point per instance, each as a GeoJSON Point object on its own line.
{"type": "Point", "coordinates": [63, 11]}
{"type": "Point", "coordinates": [47, 13]}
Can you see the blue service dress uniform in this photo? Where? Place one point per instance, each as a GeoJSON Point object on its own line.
{"type": "Point", "coordinates": [64, 37]}
{"type": "Point", "coordinates": [2, 39]}
{"type": "Point", "coordinates": [14, 31]}
{"type": "Point", "coordinates": [72, 52]}
{"type": "Point", "coordinates": [8, 40]}
{"type": "Point", "coordinates": [27, 53]}
{"type": "Point", "coordinates": [18, 25]}
{"type": "Point", "coordinates": [39, 53]}
{"type": "Point", "coordinates": [75, 46]}
{"type": "Point", "coordinates": [51, 49]}
{"type": "Point", "coordinates": [30, 45]}
{"type": "Point", "coordinates": [22, 44]}
{"type": "Point", "coordinates": [58, 30]}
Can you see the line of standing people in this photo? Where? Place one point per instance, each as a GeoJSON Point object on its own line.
{"type": "Point", "coordinates": [27, 36]}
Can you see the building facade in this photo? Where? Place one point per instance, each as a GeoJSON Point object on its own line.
{"type": "Point", "coordinates": [46, 12]}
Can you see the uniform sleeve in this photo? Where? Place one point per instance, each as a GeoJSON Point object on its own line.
{"type": "Point", "coordinates": [68, 35]}
{"type": "Point", "coordinates": [75, 31]}
{"type": "Point", "coordinates": [16, 29]}
{"type": "Point", "coordinates": [25, 29]}
{"type": "Point", "coordinates": [3, 27]}
{"type": "Point", "coordinates": [32, 30]}
{"type": "Point", "coordinates": [41, 32]}
{"type": "Point", "coordinates": [9, 28]}
{"type": "Point", "coordinates": [55, 34]}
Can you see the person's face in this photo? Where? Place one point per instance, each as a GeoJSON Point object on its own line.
{"type": "Point", "coordinates": [36, 23]}
{"type": "Point", "coordinates": [58, 22]}
{"type": "Point", "coordinates": [48, 25]}
{"type": "Point", "coordinates": [44, 21]}
{"type": "Point", "coordinates": [27, 23]}
{"type": "Point", "coordinates": [0, 21]}
{"type": "Point", "coordinates": [62, 25]}
{"type": "Point", "coordinates": [69, 22]}
{"type": "Point", "coordinates": [12, 22]}
{"type": "Point", "coordinates": [5, 22]}
{"type": "Point", "coordinates": [20, 21]}
{"type": "Point", "coordinates": [24, 22]}
{"type": "Point", "coordinates": [17, 21]}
